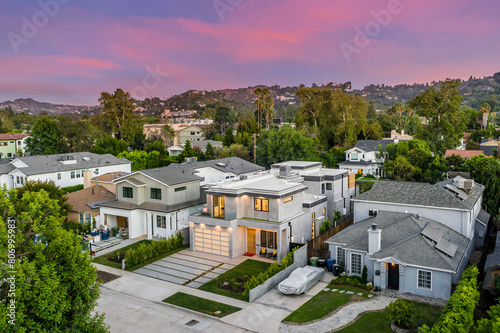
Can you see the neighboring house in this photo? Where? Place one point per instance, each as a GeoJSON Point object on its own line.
{"type": "Point", "coordinates": [154, 202]}
{"type": "Point", "coordinates": [402, 136]}
{"type": "Point", "coordinates": [403, 251]}
{"type": "Point", "coordinates": [251, 213]}
{"type": "Point", "coordinates": [63, 169]}
{"type": "Point", "coordinates": [202, 144]}
{"type": "Point", "coordinates": [363, 159]}
{"type": "Point", "coordinates": [12, 144]}
{"type": "Point", "coordinates": [421, 222]}
{"type": "Point", "coordinates": [489, 146]}
{"type": "Point", "coordinates": [467, 154]}
{"type": "Point", "coordinates": [492, 266]}
{"type": "Point", "coordinates": [105, 180]}
{"type": "Point", "coordinates": [84, 203]}
{"type": "Point", "coordinates": [185, 133]}
{"type": "Point", "coordinates": [337, 185]}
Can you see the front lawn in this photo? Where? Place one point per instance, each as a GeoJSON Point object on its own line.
{"type": "Point", "coordinates": [202, 305]}
{"type": "Point", "coordinates": [231, 282]}
{"type": "Point", "coordinates": [378, 322]}
{"type": "Point", "coordinates": [325, 302]}
{"type": "Point", "coordinates": [111, 259]}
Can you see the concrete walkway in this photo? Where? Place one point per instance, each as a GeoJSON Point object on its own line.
{"type": "Point", "coordinates": [118, 243]}
{"type": "Point", "coordinates": [340, 319]}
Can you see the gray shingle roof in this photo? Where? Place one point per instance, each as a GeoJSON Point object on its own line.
{"type": "Point", "coordinates": [172, 174]}
{"type": "Point", "coordinates": [402, 240]}
{"type": "Point", "coordinates": [361, 162]}
{"type": "Point", "coordinates": [372, 145]}
{"type": "Point", "coordinates": [235, 165]}
{"type": "Point", "coordinates": [41, 164]}
{"type": "Point", "coordinates": [493, 259]}
{"type": "Point", "coordinates": [421, 194]}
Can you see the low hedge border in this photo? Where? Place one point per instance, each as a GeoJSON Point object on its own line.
{"type": "Point", "coordinates": [147, 252]}
{"type": "Point", "coordinates": [353, 280]}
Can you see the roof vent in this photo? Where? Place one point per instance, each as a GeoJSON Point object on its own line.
{"type": "Point", "coordinates": [374, 226]}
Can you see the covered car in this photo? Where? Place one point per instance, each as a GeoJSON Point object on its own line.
{"type": "Point", "coordinates": [301, 280]}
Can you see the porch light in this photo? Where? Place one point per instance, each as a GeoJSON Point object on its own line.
{"type": "Point", "coordinates": [202, 225]}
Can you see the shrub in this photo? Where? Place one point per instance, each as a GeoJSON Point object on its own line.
{"type": "Point", "coordinates": [74, 188]}
{"type": "Point", "coordinates": [404, 314]}
{"type": "Point", "coordinates": [458, 314]}
{"type": "Point", "coordinates": [364, 275]}
{"type": "Point", "coordinates": [353, 280]}
{"type": "Point", "coordinates": [325, 226]}
{"type": "Point", "coordinates": [146, 252]}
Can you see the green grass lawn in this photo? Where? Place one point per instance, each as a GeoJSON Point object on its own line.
{"type": "Point", "coordinates": [378, 322]}
{"type": "Point", "coordinates": [325, 302]}
{"type": "Point", "coordinates": [103, 260]}
{"type": "Point", "coordinates": [249, 268]}
{"type": "Point", "coordinates": [202, 305]}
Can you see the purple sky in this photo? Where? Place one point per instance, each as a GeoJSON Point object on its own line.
{"type": "Point", "coordinates": [70, 51]}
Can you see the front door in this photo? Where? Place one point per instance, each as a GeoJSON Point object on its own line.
{"type": "Point", "coordinates": [251, 241]}
{"type": "Point", "coordinates": [393, 282]}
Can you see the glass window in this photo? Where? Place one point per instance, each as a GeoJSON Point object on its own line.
{"type": "Point", "coordinates": [356, 264]}
{"type": "Point", "coordinates": [219, 207]}
{"type": "Point", "coordinates": [323, 188]}
{"type": "Point", "coordinates": [156, 193]}
{"type": "Point", "coordinates": [78, 174]}
{"type": "Point", "coordinates": [340, 255]}
{"type": "Point", "coordinates": [128, 192]}
{"type": "Point", "coordinates": [87, 218]}
{"type": "Point", "coordinates": [313, 215]}
{"type": "Point", "coordinates": [268, 239]}
{"type": "Point", "coordinates": [58, 176]}
{"type": "Point", "coordinates": [324, 210]}
{"type": "Point", "coordinates": [96, 171]}
{"type": "Point", "coordinates": [287, 199]}
{"type": "Point", "coordinates": [81, 218]}
{"type": "Point", "coordinates": [313, 229]}
{"type": "Point", "coordinates": [72, 174]}
{"type": "Point", "coordinates": [17, 180]}
{"type": "Point", "coordinates": [161, 221]}
{"type": "Point", "coordinates": [171, 227]}
{"type": "Point", "coordinates": [354, 157]}
{"type": "Point", "coordinates": [329, 186]}
{"type": "Point", "coordinates": [261, 204]}
{"type": "Point", "coordinates": [178, 189]}
{"type": "Point", "coordinates": [424, 279]}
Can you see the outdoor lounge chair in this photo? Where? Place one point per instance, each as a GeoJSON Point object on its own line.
{"type": "Point", "coordinates": [273, 255]}
{"type": "Point", "coordinates": [263, 253]}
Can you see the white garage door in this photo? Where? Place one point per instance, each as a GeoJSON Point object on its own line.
{"type": "Point", "coordinates": [211, 241]}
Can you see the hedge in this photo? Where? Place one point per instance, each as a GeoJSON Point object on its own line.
{"type": "Point", "coordinates": [272, 270]}
{"type": "Point", "coordinates": [458, 314]}
{"type": "Point", "coordinates": [148, 251]}
{"type": "Point", "coordinates": [353, 280]}
{"type": "Point", "coordinates": [74, 188]}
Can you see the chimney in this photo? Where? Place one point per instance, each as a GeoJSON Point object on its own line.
{"type": "Point", "coordinates": [87, 176]}
{"type": "Point", "coordinates": [402, 132]}
{"type": "Point", "coordinates": [374, 239]}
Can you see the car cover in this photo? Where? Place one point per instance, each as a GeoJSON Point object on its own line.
{"type": "Point", "coordinates": [301, 280]}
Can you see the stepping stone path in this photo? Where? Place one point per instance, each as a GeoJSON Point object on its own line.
{"type": "Point", "coordinates": [326, 289]}
{"type": "Point", "coordinates": [370, 296]}
{"type": "Point", "coordinates": [360, 294]}
{"type": "Point", "coordinates": [350, 292]}
{"type": "Point", "coordinates": [342, 291]}
{"type": "Point", "coordinates": [334, 289]}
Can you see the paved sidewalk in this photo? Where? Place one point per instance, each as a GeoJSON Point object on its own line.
{"type": "Point", "coordinates": [344, 316]}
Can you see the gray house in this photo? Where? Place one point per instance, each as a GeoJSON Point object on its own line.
{"type": "Point", "coordinates": [403, 251]}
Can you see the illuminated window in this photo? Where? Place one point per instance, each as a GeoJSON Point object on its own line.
{"type": "Point", "coordinates": [313, 215]}
{"type": "Point", "coordinates": [268, 239]}
{"type": "Point", "coordinates": [261, 204]}
{"type": "Point", "coordinates": [313, 229]}
{"type": "Point", "coordinates": [219, 207]}
{"type": "Point", "coordinates": [324, 210]}
{"type": "Point", "coordinates": [287, 199]}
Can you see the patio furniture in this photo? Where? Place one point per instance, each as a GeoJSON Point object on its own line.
{"type": "Point", "coordinates": [273, 255]}
{"type": "Point", "coordinates": [263, 253]}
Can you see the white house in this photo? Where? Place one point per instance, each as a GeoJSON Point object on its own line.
{"type": "Point", "coordinates": [63, 169]}
{"type": "Point", "coordinates": [413, 237]}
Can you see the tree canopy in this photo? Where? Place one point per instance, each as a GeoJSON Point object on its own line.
{"type": "Point", "coordinates": [45, 138]}
{"type": "Point", "coordinates": [118, 113]}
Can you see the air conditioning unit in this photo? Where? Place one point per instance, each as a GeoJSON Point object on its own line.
{"type": "Point", "coordinates": [373, 212]}
{"type": "Point", "coordinates": [285, 171]}
{"type": "Point", "coordinates": [469, 184]}
{"type": "Point", "coordinates": [243, 177]}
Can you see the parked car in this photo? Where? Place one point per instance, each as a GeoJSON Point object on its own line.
{"type": "Point", "coordinates": [301, 280]}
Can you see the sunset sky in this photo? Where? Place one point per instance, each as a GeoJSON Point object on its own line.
{"type": "Point", "coordinates": [70, 51]}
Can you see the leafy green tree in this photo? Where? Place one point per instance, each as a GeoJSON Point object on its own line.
{"type": "Point", "coordinates": [264, 106]}
{"type": "Point", "coordinates": [45, 138]}
{"type": "Point", "coordinates": [209, 152]}
{"type": "Point", "coordinates": [284, 144]}
{"type": "Point", "coordinates": [77, 134]}
{"type": "Point", "coordinates": [188, 150]}
{"type": "Point", "coordinates": [485, 111]}
{"type": "Point", "coordinates": [55, 282]}
{"type": "Point", "coordinates": [156, 146]}
{"type": "Point", "coordinates": [403, 313]}
{"type": "Point", "coordinates": [229, 137]}
{"type": "Point", "coordinates": [142, 159]}
{"type": "Point", "coordinates": [118, 112]}
{"type": "Point", "coordinates": [399, 169]}
{"type": "Point", "coordinates": [491, 324]}
{"type": "Point", "coordinates": [223, 120]}
{"type": "Point", "coordinates": [109, 145]}
{"type": "Point", "coordinates": [236, 150]}
{"type": "Point", "coordinates": [441, 108]}
{"type": "Point", "coordinates": [54, 192]}
{"type": "Point", "coordinates": [333, 157]}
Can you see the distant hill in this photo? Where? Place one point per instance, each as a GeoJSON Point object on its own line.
{"type": "Point", "coordinates": [29, 105]}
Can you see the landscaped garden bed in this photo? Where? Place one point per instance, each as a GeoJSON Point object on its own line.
{"type": "Point", "coordinates": [202, 305]}
{"type": "Point", "coordinates": [111, 259]}
{"type": "Point", "coordinates": [328, 301]}
{"type": "Point", "coordinates": [231, 283]}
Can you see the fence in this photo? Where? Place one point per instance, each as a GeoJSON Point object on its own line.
{"type": "Point", "coordinates": [316, 247]}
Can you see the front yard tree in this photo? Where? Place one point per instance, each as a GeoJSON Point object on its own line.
{"type": "Point", "coordinates": [441, 108]}
{"type": "Point", "coordinates": [109, 145]}
{"type": "Point", "coordinates": [45, 138]}
{"type": "Point", "coordinates": [118, 111]}
{"type": "Point", "coordinates": [55, 283]}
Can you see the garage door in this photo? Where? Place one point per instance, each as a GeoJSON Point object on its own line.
{"type": "Point", "coordinates": [211, 241]}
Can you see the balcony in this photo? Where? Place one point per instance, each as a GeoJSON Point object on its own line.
{"type": "Point", "coordinates": [205, 217]}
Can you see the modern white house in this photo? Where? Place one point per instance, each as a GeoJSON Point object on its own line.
{"type": "Point", "coordinates": [337, 185]}
{"type": "Point", "coordinates": [202, 144]}
{"type": "Point", "coordinates": [413, 237]}
{"type": "Point", "coordinates": [363, 158]}
{"type": "Point", "coordinates": [251, 213]}
{"type": "Point", "coordinates": [63, 169]}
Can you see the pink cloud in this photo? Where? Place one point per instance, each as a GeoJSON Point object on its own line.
{"type": "Point", "coordinates": [91, 63]}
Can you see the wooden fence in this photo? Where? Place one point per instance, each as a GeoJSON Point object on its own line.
{"type": "Point", "coordinates": [317, 247]}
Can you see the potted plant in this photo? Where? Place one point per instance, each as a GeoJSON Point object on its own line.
{"type": "Point", "coordinates": [403, 315]}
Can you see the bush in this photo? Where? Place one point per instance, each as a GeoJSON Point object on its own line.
{"type": "Point", "coordinates": [404, 314]}
{"type": "Point", "coordinates": [364, 275]}
{"type": "Point", "coordinates": [272, 270]}
{"type": "Point", "coordinates": [77, 228]}
{"type": "Point", "coordinates": [458, 314]}
{"type": "Point", "coordinates": [325, 226]}
{"type": "Point", "coordinates": [74, 188]}
{"type": "Point", "coordinates": [146, 252]}
{"type": "Point", "coordinates": [352, 280]}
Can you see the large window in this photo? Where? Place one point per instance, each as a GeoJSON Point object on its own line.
{"type": "Point", "coordinates": [329, 186]}
{"type": "Point", "coordinates": [59, 176]}
{"type": "Point", "coordinates": [356, 264]}
{"type": "Point", "coordinates": [313, 228]}
{"type": "Point", "coordinates": [128, 192]}
{"type": "Point", "coordinates": [261, 204]}
{"type": "Point", "coordinates": [87, 218]}
{"type": "Point", "coordinates": [323, 188]}
{"type": "Point", "coordinates": [161, 221]}
{"type": "Point", "coordinates": [354, 157]}
{"type": "Point", "coordinates": [219, 207]}
{"type": "Point", "coordinates": [424, 279]}
{"type": "Point", "coordinates": [156, 193]}
{"type": "Point", "coordinates": [72, 174]}
{"type": "Point", "coordinates": [178, 189]}
{"type": "Point", "coordinates": [268, 239]}
{"type": "Point", "coordinates": [340, 255]}
{"type": "Point", "coordinates": [287, 199]}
